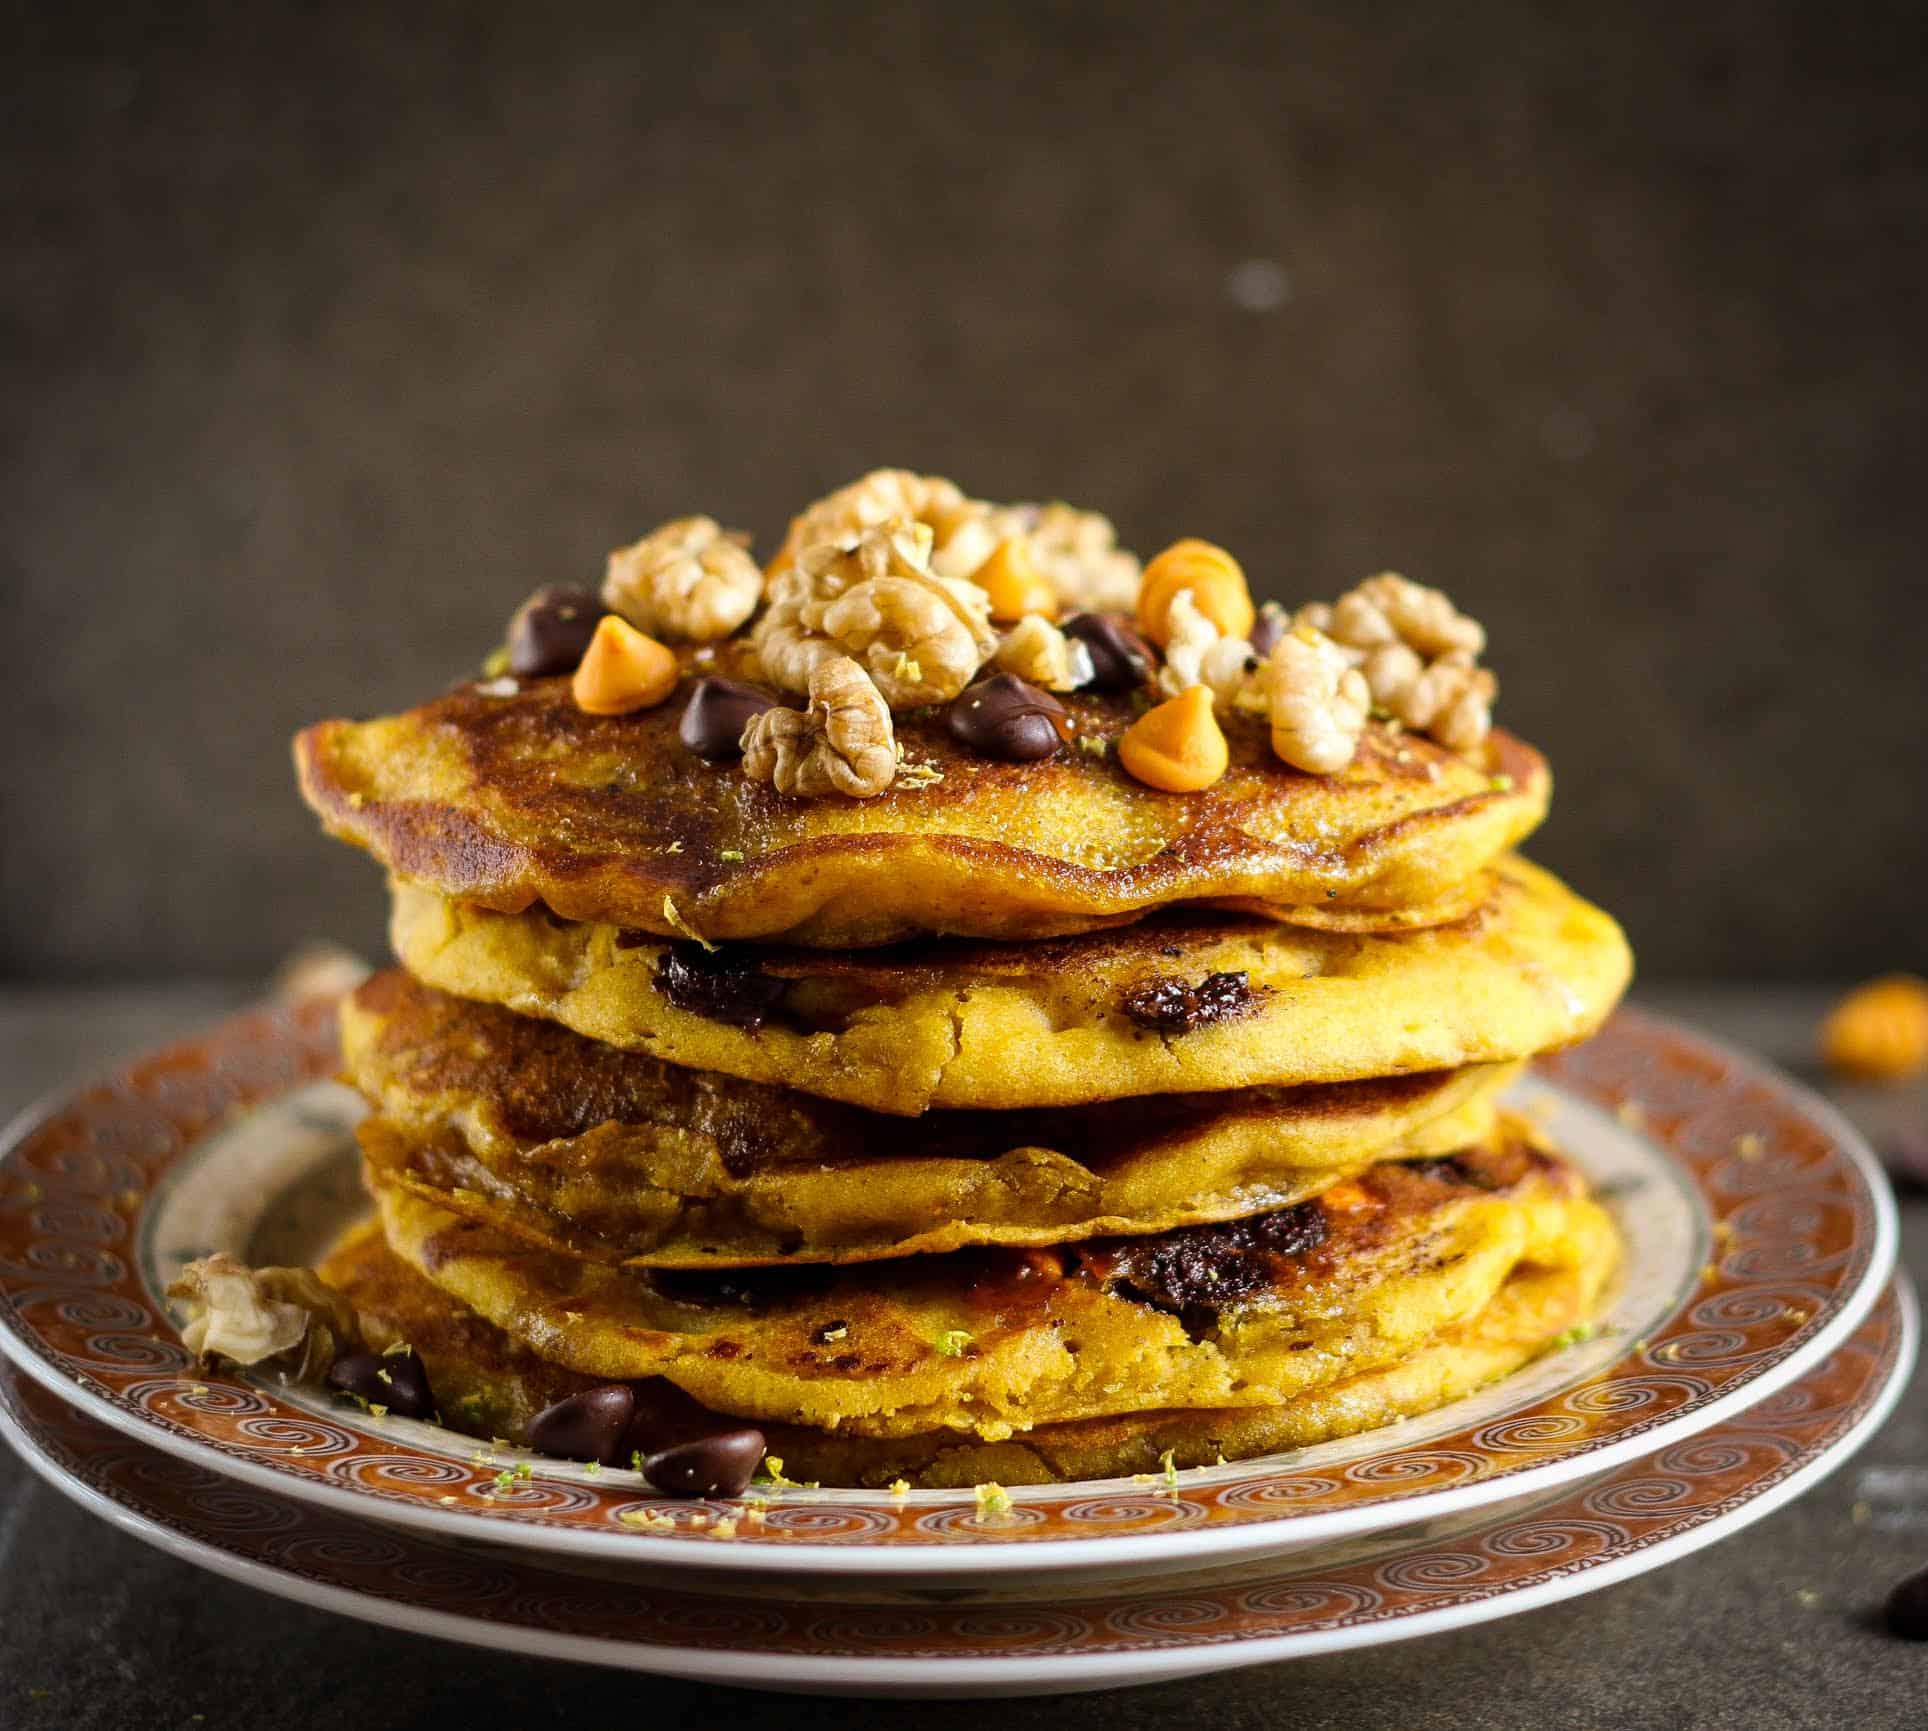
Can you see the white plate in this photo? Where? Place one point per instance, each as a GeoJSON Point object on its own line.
{"type": "Point", "coordinates": [884, 1640]}
{"type": "Point", "coordinates": [1759, 1232]}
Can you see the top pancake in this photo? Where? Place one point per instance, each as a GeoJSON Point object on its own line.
{"type": "Point", "coordinates": [507, 801]}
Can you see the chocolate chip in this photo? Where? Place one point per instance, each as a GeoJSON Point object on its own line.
{"type": "Point", "coordinates": [1006, 718]}
{"type": "Point", "coordinates": [586, 1427]}
{"type": "Point", "coordinates": [1908, 1607]}
{"type": "Point", "coordinates": [1121, 660]}
{"type": "Point", "coordinates": [720, 1465]}
{"type": "Point", "coordinates": [1905, 1155]}
{"type": "Point", "coordinates": [551, 630]}
{"type": "Point", "coordinates": [719, 710]}
{"type": "Point", "coordinates": [719, 985]}
{"type": "Point", "coordinates": [394, 1380]}
{"type": "Point", "coordinates": [1168, 1006]}
{"type": "Point", "coordinates": [1194, 1271]}
{"type": "Point", "coordinates": [1271, 625]}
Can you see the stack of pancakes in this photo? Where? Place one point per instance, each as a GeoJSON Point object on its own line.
{"type": "Point", "coordinates": [1022, 1123]}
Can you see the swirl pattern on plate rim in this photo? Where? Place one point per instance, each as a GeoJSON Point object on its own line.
{"type": "Point", "coordinates": [1793, 1217]}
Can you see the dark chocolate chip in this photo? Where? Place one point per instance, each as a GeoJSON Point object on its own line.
{"type": "Point", "coordinates": [395, 1380]}
{"type": "Point", "coordinates": [1905, 1155]}
{"type": "Point", "coordinates": [719, 985]}
{"type": "Point", "coordinates": [719, 710]}
{"type": "Point", "coordinates": [720, 1465]}
{"type": "Point", "coordinates": [1007, 718]}
{"type": "Point", "coordinates": [1167, 1005]}
{"type": "Point", "coordinates": [1121, 660]}
{"type": "Point", "coordinates": [1196, 1270]}
{"type": "Point", "coordinates": [586, 1427]}
{"type": "Point", "coordinates": [1908, 1607]}
{"type": "Point", "coordinates": [551, 630]}
{"type": "Point", "coordinates": [1272, 624]}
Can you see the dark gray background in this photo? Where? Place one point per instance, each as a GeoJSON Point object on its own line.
{"type": "Point", "coordinates": [327, 336]}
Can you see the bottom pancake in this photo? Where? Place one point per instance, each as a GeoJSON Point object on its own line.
{"type": "Point", "coordinates": [491, 1386]}
{"type": "Point", "coordinates": [1246, 1313]}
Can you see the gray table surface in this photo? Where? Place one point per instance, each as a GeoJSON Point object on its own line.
{"type": "Point", "coordinates": [1777, 1626]}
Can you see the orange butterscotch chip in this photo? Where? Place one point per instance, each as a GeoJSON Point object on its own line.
{"type": "Point", "coordinates": [1879, 1031]}
{"type": "Point", "coordinates": [1011, 578]}
{"type": "Point", "coordinates": [1177, 747]}
{"type": "Point", "coordinates": [1216, 580]}
{"type": "Point", "coordinates": [622, 670]}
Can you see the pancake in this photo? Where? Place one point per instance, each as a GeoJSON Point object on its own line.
{"type": "Point", "coordinates": [510, 801]}
{"type": "Point", "coordinates": [1245, 1313]}
{"type": "Point", "coordinates": [616, 1156]}
{"type": "Point", "coordinates": [491, 1386]}
{"type": "Point", "coordinates": [1059, 1023]}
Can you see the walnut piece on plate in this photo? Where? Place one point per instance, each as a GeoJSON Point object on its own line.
{"type": "Point", "coordinates": [248, 1316]}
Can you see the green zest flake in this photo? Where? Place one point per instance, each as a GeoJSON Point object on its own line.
{"type": "Point", "coordinates": [1500, 783]}
{"type": "Point", "coordinates": [497, 662]}
{"type": "Point", "coordinates": [505, 1480]}
{"type": "Point", "coordinates": [592, 1468]}
{"type": "Point", "coordinates": [993, 1499]}
{"type": "Point", "coordinates": [772, 1476]}
{"type": "Point", "coordinates": [1168, 1463]}
{"type": "Point", "coordinates": [953, 1343]}
{"type": "Point", "coordinates": [1092, 745]}
{"type": "Point", "coordinates": [635, 1460]}
{"type": "Point", "coordinates": [1573, 1336]}
{"type": "Point", "coordinates": [378, 1411]}
{"type": "Point", "coordinates": [731, 853]}
{"type": "Point", "coordinates": [385, 1377]}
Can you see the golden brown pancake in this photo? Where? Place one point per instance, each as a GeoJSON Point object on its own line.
{"type": "Point", "coordinates": [490, 1385]}
{"type": "Point", "coordinates": [616, 1156]}
{"type": "Point", "coordinates": [1244, 1313]}
{"type": "Point", "coordinates": [510, 801]}
{"type": "Point", "coordinates": [1176, 1004]}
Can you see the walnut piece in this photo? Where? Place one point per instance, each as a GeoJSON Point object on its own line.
{"type": "Point", "coordinates": [921, 637]}
{"type": "Point", "coordinates": [1418, 655]}
{"type": "Point", "coordinates": [254, 1315]}
{"type": "Point", "coordinates": [1036, 650]}
{"type": "Point", "coordinates": [882, 496]}
{"type": "Point", "coordinates": [1198, 653]}
{"type": "Point", "coordinates": [1079, 552]}
{"type": "Point", "coordinates": [689, 579]}
{"type": "Point", "coordinates": [843, 743]}
{"type": "Point", "coordinates": [1318, 701]}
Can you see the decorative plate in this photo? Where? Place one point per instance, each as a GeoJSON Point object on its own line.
{"type": "Point", "coordinates": [875, 1638]}
{"type": "Point", "coordinates": [1759, 1233]}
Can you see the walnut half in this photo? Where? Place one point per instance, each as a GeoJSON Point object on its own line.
{"type": "Point", "coordinates": [874, 598]}
{"type": "Point", "coordinates": [1418, 653]}
{"type": "Point", "coordinates": [1319, 702]}
{"type": "Point", "coordinates": [843, 743]}
{"type": "Point", "coordinates": [254, 1315]}
{"type": "Point", "coordinates": [690, 580]}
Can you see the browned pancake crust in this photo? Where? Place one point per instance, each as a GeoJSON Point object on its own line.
{"type": "Point", "coordinates": [550, 1136]}
{"type": "Point", "coordinates": [490, 1385]}
{"type": "Point", "coordinates": [510, 801]}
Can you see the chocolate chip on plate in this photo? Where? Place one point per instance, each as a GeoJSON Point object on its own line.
{"type": "Point", "coordinates": [394, 1380]}
{"type": "Point", "coordinates": [586, 1427]}
{"type": "Point", "coordinates": [551, 630]}
{"type": "Point", "coordinates": [719, 710]}
{"type": "Point", "coordinates": [1908, 1607]}
{"type": "Point", "coordinates": [720, 1465]}
{"type": "Point", "coordinates": [1004, 717]}
{"type": "Point", "coordinates": [1121, 660]}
